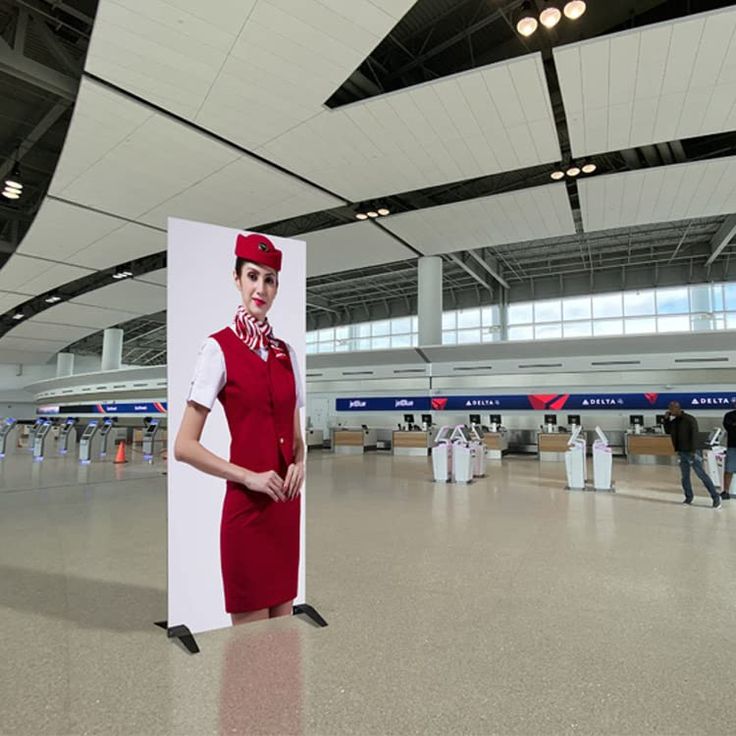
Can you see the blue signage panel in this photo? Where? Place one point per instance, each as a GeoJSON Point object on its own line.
{"type": "Point", "coordinates": [651, 401]}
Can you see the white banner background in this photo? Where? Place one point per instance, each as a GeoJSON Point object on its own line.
{"type": "Point", "coordinates": [202, 299]}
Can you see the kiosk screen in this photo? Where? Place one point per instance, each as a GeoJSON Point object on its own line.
{"type": "Point", "coordinates": [151, 428]}
{"type": "Point", "coordinates": [89, 430]}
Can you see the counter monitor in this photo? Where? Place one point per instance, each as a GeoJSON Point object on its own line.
{"type": "Point", "coordinates": [408, 418]}
{"type": "Point", "coordinates": [475, 418]}
{"type": "Point", "coordinates": [573, 419]}
{"type": "Point", "coordinates": [635, 419]}
{"type": "Point", "coordinates": [550, 418]}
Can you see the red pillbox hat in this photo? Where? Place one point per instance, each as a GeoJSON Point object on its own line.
{"type": "Point", "coordinates": [258, 249]}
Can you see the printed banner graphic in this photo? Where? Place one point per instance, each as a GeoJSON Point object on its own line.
{"type": "Point", "coordinates": [144, 407]}
{"type": "Point", "coordinates": [542, 402]}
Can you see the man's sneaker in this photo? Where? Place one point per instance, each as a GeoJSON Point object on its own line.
{"type": "Point", "coordinates": [725, 495]}
{"type": "Point", "coordinates": [687, 501]}
{"type": "Point", "coordinates": [717, 504]}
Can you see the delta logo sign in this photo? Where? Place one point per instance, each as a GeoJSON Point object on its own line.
{"type": "Point", "coordinates": [547, 402]}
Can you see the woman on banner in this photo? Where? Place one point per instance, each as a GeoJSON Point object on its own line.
{"type": "Point", "coordinates": [255, 376]}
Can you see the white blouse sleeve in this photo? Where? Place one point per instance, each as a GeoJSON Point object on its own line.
{"type": "Point", "coordinates": [209, 374]}
{"type": "Point", "coordinates": [297, 379]}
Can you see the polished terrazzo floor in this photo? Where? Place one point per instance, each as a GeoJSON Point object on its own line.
{"type": "Point", "coordinates": [509, 606]}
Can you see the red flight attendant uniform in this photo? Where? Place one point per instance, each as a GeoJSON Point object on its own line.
{"type": "Point", "coordinates": [259, 537]}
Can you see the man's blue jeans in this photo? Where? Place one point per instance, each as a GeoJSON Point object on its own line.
{"type": "Point", "coordinates": [694, 460]}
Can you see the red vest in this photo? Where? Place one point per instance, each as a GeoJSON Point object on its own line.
{"type": "Point", "coordinates": [259, 399]}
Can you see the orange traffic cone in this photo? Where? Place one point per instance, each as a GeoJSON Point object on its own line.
{"type": "Point", "coordinates": [120, 457]}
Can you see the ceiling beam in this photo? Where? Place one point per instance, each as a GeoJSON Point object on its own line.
{"type": "Point", "coordinates": [38, 132]}
{"type": "Point", "coordinates": [491, 270]}
{"type": "Point", "coordinates": [319, 302]}
{"type": "Point", "coordinates": [470, 269]}
{"type": "Point", "coordinates": [14, 64]}
{"type": "Point", "coordinates": [722, 238]}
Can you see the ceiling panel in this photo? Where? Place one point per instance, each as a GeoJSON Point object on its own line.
{"type": "Point", "coordinates": [42, 348]}
{"type": "Point", "coordinates": [127, 243]}
{"type": "Point", "coordinates": [38, 329]}
{"type": "Point", "coordinates": [78, 315]}
{"type": "Point", "coordinates": [217, 63]}
{"type": "Point", "coordinates": [541, 212]}
{"type": "Point", "coordinates": [351, 246]}
{"type": "Point", "coordinates": [660, 83]}
{"type": "Point", "coordinates": [484, 121]}
{"type": "Point", "coordinates": [129, 296]}
{"type": "Point", "coordinates": [155, 277]}
{"type": "Point", "coordinates": [679, 192]}
{"type": "Point", "coordinates": [10, 299]}
{"type": "Point", "coordinates": [243, 194]}
{"type": "Point", "coordinates": [35, 276]}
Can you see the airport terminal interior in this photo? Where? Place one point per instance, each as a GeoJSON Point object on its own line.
{"type": "Point", "coordinates": [518, 219]}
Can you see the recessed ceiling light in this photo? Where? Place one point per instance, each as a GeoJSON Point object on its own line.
{"type": "Point", "coordinates": [372, 214]}
{"type": "Point", "coordinates": [550, 16]}
{"type": "Point", "coordinates": [573, 171]}
{"type": "Point", "coordinates": [574, 9]}
{"type": "Point", "coordinates": [557, 175]}
{"type": "Point", "coordinates": [589, 168]}
{"type": "Point", "coordinates": [361, 216]}
{"type": "Point", "coordinates": [13, 185]}
{"type": "Point", "coordinates": [11, 194]}
{"type": "Point", "coordinates": [384, 211]}
{"type": "Point", "coordinates": [18, 315]}
{"type": "Point", "coordinates": [52, 299]}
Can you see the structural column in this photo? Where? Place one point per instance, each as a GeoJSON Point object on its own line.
{"type": "Point", "coordinates": [701, 308]}
{"type": "Point", "coordinates": [429, 300]}
{"type": "Point", "coordinates": [64, 364]}
{"type": "Point", "coordinates": [112, 349]}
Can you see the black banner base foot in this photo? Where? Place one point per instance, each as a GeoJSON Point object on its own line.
{"type": "Point", "coordinates": [182, 633]}
{"type": "Point", "coordinates": [311, 613]}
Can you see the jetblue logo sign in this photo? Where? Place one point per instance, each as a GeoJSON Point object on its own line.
{"type": "Point", "coordinates": [357, 404]}
{"type": "Point", "coordinates": [404, 404]}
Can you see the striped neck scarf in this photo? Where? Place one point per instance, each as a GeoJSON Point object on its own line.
{"type": "Point", "coordinates": [257, 335]}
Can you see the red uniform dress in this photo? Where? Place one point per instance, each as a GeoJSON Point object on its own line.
{"type": "Point", "coordinates": [259, 538]}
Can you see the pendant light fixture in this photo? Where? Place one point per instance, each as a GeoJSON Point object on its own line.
{"type": "Point", "coordinates": [550, 15]}
{"type": "Point", "coordinates": [574, 9]}
{"type": "Point", "coordinates": [526, 23]}
{"type": "Point", "coordinates": [13, 187]}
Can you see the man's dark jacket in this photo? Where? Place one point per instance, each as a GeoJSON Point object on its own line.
{"type": "Point", "coordinates": [684, 432]}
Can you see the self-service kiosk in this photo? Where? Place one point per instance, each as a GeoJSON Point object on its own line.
{"type": "Point", "coordinates": [636, 422]}
{"type": "Point", "coordinates": [715, 458]}
{"type": "Point", "coordinates": [39, 439]}
{"type": "Point", "coordinates": [462, 455]}
{"type": "Point", "coordinates": [149, 437]}
{"type": "Point", "coordinates": [104, 435]}
{"type": "Point", "coordinates": [89, 443]}
{"type": "Point", "coordinates": [602, 462]}
{"type": "Point", "coordinates": [32, 432]}
{"type": "Point", "coordinates": [442, 455]}
{"type": "Point", "coordinates": [67, 436]}
{"type": "Point", "coordinates": [8, 437]}
{"type": "Point", "coordinates": [550, 423]}
{"type": "Point", "coordinates": [478, 450]}
{"type": "Point", "coordinates": [575, 463]}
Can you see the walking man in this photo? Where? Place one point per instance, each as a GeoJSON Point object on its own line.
{"type": "Point", "coordinates": [729, 422]}
{"type": "Point", "coordinates": [683, 430]}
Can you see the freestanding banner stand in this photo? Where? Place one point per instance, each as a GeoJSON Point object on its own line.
{"type": "Point", "coordinates": [202, 300]}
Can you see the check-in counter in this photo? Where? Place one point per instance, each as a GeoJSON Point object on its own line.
{"type": "Point", "coordinates": [496, 443]}
{"type": "Point", "coordinates": [411, 443]}
{"type": "Point", "coordinates": [649, 449]}
{"type": "Point", "coordinates": [315, 438]}
{"type": "Point", "coordinates": [353, 441]}
{"type": "Point", "coordinates": [552, 446]}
